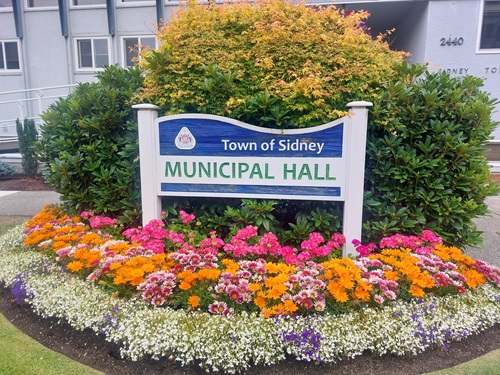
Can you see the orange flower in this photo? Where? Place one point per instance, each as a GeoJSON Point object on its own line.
{"type": "Point", "coordinates": [260, 302]}
{"type": "Point", "coordinates": [362, 292]}
{"type": "Point", "coordinates": [290, 307]}
{"type": "Point", "coordinates": [184, 285]}
{"type": "Point", "coordinates": [74, 266]}
{"type": "Point", "coordinates": [280, 268]}
{"type": "Point", "coordinates": [277, 291]}
{"type": "Point", "coordinates": [187, 275]}
{"type": "Point", "coordinates": [337, 292]}
{"type": "Point", "coordinates": [473, 278]}
{"type": "Point", "coordinates": [209, 274]}
{"type": "Point", "coordinates": [194, 301]}
{"type": "Point", "coordinates": [254, 287]}
{"type": "Point", "coordinates": [231, 266]}
{"type": "Point", "coordinates": [279, 309]}
{"type": "Point", "coordinates": [416, 291]}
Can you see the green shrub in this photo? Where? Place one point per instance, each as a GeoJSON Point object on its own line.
{"type": "Point", "coordinates": [426, 165]}
{"type": "Point", "coordinates": [27, 136]}
{"type": "Point", "coordinates": [277, 64]}
{"type": "Point", "coordinates": [89, 144]}
{"type": "Point", "coordinates": [291, 221]}
{"type": "Point", "coordinates": [6, 169]}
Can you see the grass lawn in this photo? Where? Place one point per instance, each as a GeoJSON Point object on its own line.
{"type": "Point", "coordinates": [8, 222]}
{"type": "Point", "coordinates": [20, 355]}
{"type": "Point", "coordinates": [488, 364]}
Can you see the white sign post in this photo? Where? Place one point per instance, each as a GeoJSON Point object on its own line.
{"type": "Point", "coordinates": [213, 156]}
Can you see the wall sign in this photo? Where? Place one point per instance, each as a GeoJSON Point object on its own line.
{"type": "Point", "coordinates": [213, 156]}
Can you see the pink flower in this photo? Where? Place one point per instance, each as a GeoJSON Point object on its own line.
{"type": "Point", "coordinates": [97, 222]}
{"type": "Point", "coordinates": [363, 250]}
{"type": "Point", "coordinates": [378, 299]}
{"type": "Point", "coordinates": [186, 218]}
{"type": "Point", "coordinates": [218, 308]}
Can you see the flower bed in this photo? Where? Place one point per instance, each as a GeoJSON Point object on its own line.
{"type": "Point", "coordinates": [250, 300]}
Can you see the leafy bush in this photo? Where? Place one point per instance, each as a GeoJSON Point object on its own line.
{"type": "Point", "coordinates": [89, 144]}
{"type": "Point", "coordinates": [426, 166]}
{"type": "Point", "coordinates": [277, 64]}
{"type": "Point", "coordinates": [27, 136]}
{"type": "Point", "coordinates": [291, 221]}
{"type": "Point", "coordinates": [6, 169]}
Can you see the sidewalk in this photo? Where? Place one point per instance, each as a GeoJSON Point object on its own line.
{"type": "Point", "coordinates": [25, 203]}
{"type": "Point", "coordinates": [28, 203]}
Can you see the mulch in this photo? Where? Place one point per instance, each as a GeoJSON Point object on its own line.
{"type": "Point", "coordinates": [20, 182]}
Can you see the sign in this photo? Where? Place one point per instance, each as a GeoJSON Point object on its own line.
{"type": "Point", "coordinates": [213, 156]}
{"type": "Point", "coordinates": [205, 155]}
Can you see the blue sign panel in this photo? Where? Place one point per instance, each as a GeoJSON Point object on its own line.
{"type": "Point", "coordinates": [204, 155]}
{"type": "Point", "coordinates": [212, 137]}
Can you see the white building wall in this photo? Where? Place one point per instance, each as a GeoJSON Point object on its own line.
{"type": "Point", "coordinates": [461, 19]}
{"type": "Point", "coordinates": [50, 59]}
{"type": "Point", "coordinates": [411, 32]}
{"type": "Point", "coordinates": [9, 81]}
{"type": "Point", "coordinates": [44, 52]}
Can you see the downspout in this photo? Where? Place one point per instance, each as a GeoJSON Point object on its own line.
{"type": "Point", "coordinates": [111, 13]}
{"type": "Point", "coordinates": [17, 9]}
{"type": "Point", "coordinates": [159, 12]}
{"type": "Point", "coordinates": [64, 19]}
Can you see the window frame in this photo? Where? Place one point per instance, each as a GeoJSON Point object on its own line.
{"type": "Point", "coordinates": [480, 50]}
{"type": "Point", "coordinates": [31, 9]}
{"type": "Point", "coordinates": [5, 70]}
{"type": "Point", "coordinates": [90, 6]}
{"type": "Point", "coordinates": [138, 3]}
{"type": "Point", "coordinates": [7, 9]}
{"type": "Point", "coordinates": [123, 46]}
{"type": "Point", "coordinates": [77, 53]}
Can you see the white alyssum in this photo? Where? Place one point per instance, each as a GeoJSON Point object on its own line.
{"type": "Point", "coordinates": [234, 343]}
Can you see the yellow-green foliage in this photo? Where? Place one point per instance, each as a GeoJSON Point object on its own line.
{"type": "Point", "coordinates": [272, 63]}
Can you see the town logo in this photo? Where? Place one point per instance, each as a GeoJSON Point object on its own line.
{"type": "Point", "coordinates": [185, 140]}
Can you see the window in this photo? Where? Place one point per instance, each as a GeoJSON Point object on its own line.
{"type": "Point", "coordinates": [42, 3]}
{"type": "Point", "coordinates": [133, 45]}
{"type": "Point", "coordinates": [92, 53]}
{"type": "Point", "coordinates": [490, 29]}
{"type": "Point", "coordinates": [88, 2]}
{"type": "Point", "coordinates": [9, 56]}
{"type": "Point", "coordinates": [5, 3]}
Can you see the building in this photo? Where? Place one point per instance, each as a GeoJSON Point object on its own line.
{"type": "Point", "coordinates": [58, 43]}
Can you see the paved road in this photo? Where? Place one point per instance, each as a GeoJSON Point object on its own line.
{"type": "Point", "coordinates": [28, 203]}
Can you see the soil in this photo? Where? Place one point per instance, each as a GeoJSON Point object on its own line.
{"type": "Point", "coordinates": [92, 350]}
{"type": "Point", "coordinates": [20, 182]}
